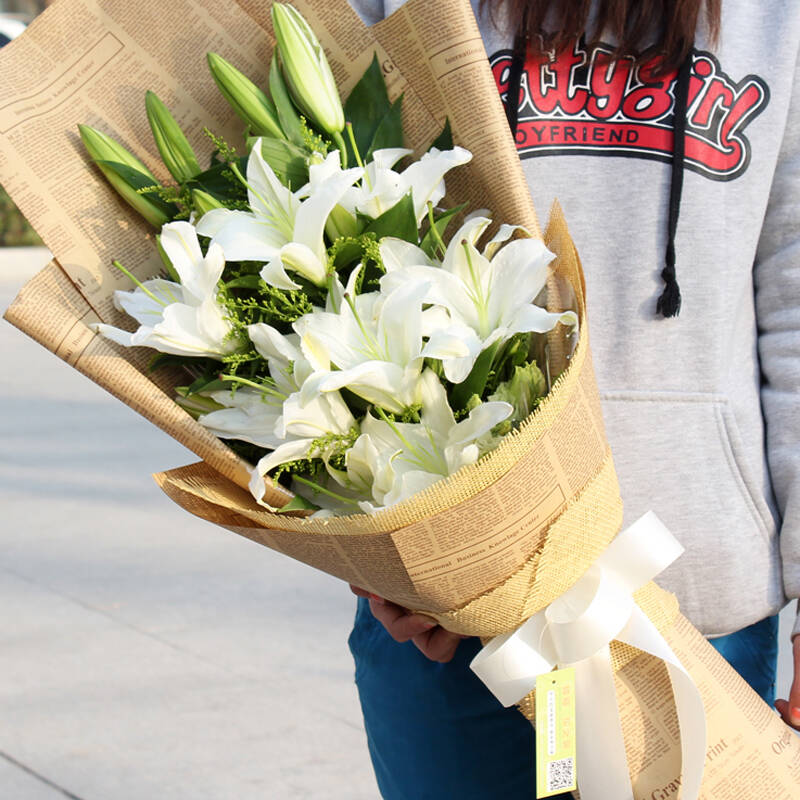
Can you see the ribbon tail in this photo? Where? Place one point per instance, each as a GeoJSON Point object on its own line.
{"type": "Point", "coordinates": [510, 663]}
{"type": "Point", "coordinates": [600, 759]}
{"type": "Point", "coordinates": [641, 633]}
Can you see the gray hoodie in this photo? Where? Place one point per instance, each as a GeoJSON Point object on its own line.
{"type": "Point", "coordinates": [702, 410]}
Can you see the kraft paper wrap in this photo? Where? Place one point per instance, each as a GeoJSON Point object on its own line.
{"type": "Point", "coordinates": [481, 551]}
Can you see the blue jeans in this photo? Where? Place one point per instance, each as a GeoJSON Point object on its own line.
{"type": "Point", "coordinates": [436, 733]}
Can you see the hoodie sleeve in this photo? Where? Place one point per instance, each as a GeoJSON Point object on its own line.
{"type": "Point", "coordinates": [370, 11]}
{"type": "Point", "coordinates": [777, 287]}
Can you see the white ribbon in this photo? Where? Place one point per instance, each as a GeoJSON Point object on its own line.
{"type": "Point", "coordinates": [576, 630]}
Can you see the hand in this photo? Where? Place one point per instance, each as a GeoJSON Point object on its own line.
{"type": "Point", "coordinates": [790, 710]}
{"type": "Point", "coordinates": [431, 640]}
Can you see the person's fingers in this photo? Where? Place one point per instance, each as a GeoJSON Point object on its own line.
{"type": "Point", "coordinates": [399, 623]}
{"type": "Point", "coordinates": [437, 644]}
{"type": "Point", "coordinates": [790, 710]}
{"type": "Point", "coordinates": [359, 592]}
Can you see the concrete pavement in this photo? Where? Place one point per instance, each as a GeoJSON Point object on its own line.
{"type": "Point", "coordinates": [144, 653]}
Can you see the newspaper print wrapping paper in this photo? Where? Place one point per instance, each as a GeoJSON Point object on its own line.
{"type": "Point", "coordinates": [482, 551]}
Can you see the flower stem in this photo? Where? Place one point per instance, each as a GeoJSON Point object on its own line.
{"type": "Point", "coordinates": [351, 136]}
{"type": "Point", "coordinates": [339, 141]}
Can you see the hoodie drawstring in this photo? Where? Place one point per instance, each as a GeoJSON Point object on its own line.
{"type": "Point", "coordinates": [669, 303]}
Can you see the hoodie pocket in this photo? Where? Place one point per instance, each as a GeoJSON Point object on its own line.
{"type": "Point", "coordinates": [685, 452]}
{"type": "Point", "coordinates": [742, 470]}
{"type": "Point", "coordinates": [682, 456]}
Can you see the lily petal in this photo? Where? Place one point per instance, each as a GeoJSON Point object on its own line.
{"type": "Point", "coordinates": [397, 254]}
{"type": "Point", "coordinates": [244, 237]}
{"type": "Point", "coordinates": [313, 213]}
{"type": "Point", "coordinates": [425, 177]}
{"type": "Point", "coordinates": [271, 343]}
{"type": "Point", "coordinates": [480, 420]}
{"type": "Point", "coordinates": [274, 274]}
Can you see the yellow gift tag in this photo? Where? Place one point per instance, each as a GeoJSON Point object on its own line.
{"type": "Point", "coordinates": [555, 732]}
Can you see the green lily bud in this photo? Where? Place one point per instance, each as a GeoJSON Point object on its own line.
{"type": "Point", "coordinates": [252, 106]}
{"type": "Point", "coordinates": [175, 150]}
{"type": "Point", "coordinates": [306, 70]}
{"type": "Point", "coordinates": [204, 202]}
{"type": "Point", "coordinates": [196, 404]}
{"type": "Point", "coordinates": [127, 175]}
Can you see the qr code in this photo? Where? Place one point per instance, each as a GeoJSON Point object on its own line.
{"type": "Point", "coordinates": [560, 774]}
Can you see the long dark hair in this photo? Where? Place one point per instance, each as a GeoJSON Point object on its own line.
{"type": "Point", "coordinates": [644, 29]}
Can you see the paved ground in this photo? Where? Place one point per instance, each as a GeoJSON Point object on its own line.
{"type": "Point", "coordinates": [145, 654]}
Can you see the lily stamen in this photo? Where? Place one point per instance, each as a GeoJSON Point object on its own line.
{"type": "Point", "coordinates": [259, 386]}
{"type": "Point", "coordinates": [139, 284]}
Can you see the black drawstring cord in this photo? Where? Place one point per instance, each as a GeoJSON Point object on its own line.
{"type": "Point", "coordinates": [515, 74]}
{"type": "Point", "coordinates": [669, 304]}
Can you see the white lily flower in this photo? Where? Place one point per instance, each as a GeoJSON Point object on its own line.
{"type": "Point", "coordinates": [303, 429]}
{"type": "Point", "coordinates": [249, 415]}
{"type": "Point", "coordinates": [282, 228]}
{"type": "Point", "coordinates": [400, 459]}
{"type": "Point", "coordinates": [288, 367]}
{"type": "Point", "coordinates": [381, 187]}
{"type": "Point", "coordinates": [297, 428]}
{"type": "Point", "coordinates": [257, 416]}
{"type": "Point", "coordinates": [374, 342]}
{"type": "Point", "coordinates": [178, 318]}
{"type": "Point", "coordinates": [489, 296]}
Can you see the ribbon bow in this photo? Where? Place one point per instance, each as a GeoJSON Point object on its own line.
{"type": "Point", "coordinates": [576, 630]}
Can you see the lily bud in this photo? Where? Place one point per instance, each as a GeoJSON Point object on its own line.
{"type": "Point", "coordinates": [306, 70]}
{"type": "Point", "coordinates": [204, 202]}
{"type": "Point", "coordinates": [127, 175]}
{"type": "Point", "coordinates": [251, 105]}
{"type": "Point", "coordinates": [175, 150]}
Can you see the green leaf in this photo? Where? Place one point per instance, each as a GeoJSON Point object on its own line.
{"type": "Point", "coordinates": [440, 223]}
{"type": "Point", "coordinates": [389, 132]}
{"type": "Point", "coordinates": [287, 160]}
{"type": "Point", "coordinates": [444, 141]}
{"type": "Point", "coordinates": [217, 182]}
{"type": "Point", "coordinates": [366, 107]}
{"type": "Point", "coordinates": [399, 221]}
{"type": "Point", "coordinates": [475, 382]}
{"type": "Point", "coordinates": [523, 391]}
{"type": "Point", "coordinates": [347, 254]}
{"type": "Point", "coordinates": [287, 113]}
{"type": "Point", "coordinates": [206, 383]}
{"type": "Point", "coordinates": [166, 360]}
{"type": "Point", "coordinates": [297, 503]}
{"type": "Point", "coordinates": [245, 282]}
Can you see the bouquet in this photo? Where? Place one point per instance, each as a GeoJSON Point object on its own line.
{"type": "Point", "coordinates": [468, 476]}
{"type": "Point", "coordinates": [327, 324]}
